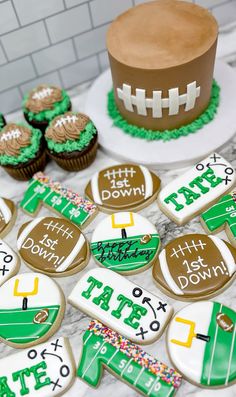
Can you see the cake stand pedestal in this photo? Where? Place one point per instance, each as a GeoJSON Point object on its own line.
{"type": "Point", "coordinates": [175, 153]}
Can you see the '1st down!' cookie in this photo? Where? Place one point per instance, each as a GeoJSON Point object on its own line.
{"type": "Point", "coordinates": [187, 195]}
{"type": "Point", "coordinates": [202, 345]}
{"type": "Point", "coordinates": [31, 309]}
{"type": "Point", "coordinates": [7, 216]}
{"type": "Point", "coordinates": [125, 242]}
{"type": "Point", "coordinates": [9, 262]}
{"type": "Point", "coordinates": [53, 246]}
{"type": "Point", "coordinates": [123, 187]}
{"type": "Point", "coordinates": [46, 370]}
{"type": "Point", "coordinates": [195, 266]}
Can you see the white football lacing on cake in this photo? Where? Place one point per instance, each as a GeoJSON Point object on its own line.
{"type": "Point", "coordinates": [68, 119]}
{"type": "Point", "coordinates": [43, 93]}
{"type": "Point", "coordinates": [195, 246]}
{"type": "Point", "coordinates": [120, 172]}
{"type": "Point", "coordinates": [54, 226]}
{"type": "Point", "coordinates": [157, 103]}
{"type": "Point", "coordinates": [13, 134]}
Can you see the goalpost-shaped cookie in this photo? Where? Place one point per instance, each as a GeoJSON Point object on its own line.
{"type": "Point", "coordinates": [195, 266]}
{"type": "Point", "coordinates": [188, 195]}
{"type": "Point", "coordinates": [7, 216]}
{"type": "Point", "coordinates": [201, 344]}
{"type": "Point", "coordinates": [125, 242]}
{"type": "Point", "coordinates": [123, 187]}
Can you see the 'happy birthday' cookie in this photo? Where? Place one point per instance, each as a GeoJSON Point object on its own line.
{"type": "Point", "coordinates": [125, 242]}
{"type": "Point", "coordinates": [202, 345]}
{"type": "Point", "coordinates": [123, 187]}
{"type": "Point", "coordinates": [53, 246]}
{"type": "Point", "coordinates": [46, 370]}
{"type": "Point", "coordinates": [122, 305]}
{"type": "Point", "coordinates": [31, 309]}
{"type": "Point", "coordinates": [195, 266]}
{"type": "Point", "coordinates": [7, 216]}
{"type": "Point", "coordinates": [9, 262]}
{"type": "Point", "coordinates": [187, 195]}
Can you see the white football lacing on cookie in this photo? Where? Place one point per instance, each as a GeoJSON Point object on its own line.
{"type": "Point", "coordinates": [188, 247]}
{"type": "Point", "coordinates": [54, 226]}
{"type": "Point", "coordinates": [68, 119]}
{"type": "Point", "coordinates": [7, 136]}
{"type": "Point", "coordinates": [120, 172]}
{"type": "Point", "coordinates": [43, 93]}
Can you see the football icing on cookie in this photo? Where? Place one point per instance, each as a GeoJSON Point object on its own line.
{"type": "Point", "coordinates": [53, 246]}
{"type": "Point", "coordinates": [9, 262]}
{"type": "Point", "coordinates": [42, 371]}
{"type": "Point", "coordinates": [122, 305]}
{"type": "Point", "coordinates": [125, 242]}
{"type": "Point", "coordinates": [31, 309]}
{"type": "Point", "coordinates": [123, 187]}
{"type": "Point", "coordinates": [189, 194]}
{"type": "Point", "coordinates": [195, 266]}
{"type": "Point", "coordinates": [102, 347]}
{"type": "Point", "coordinates": [70, 205]}
{"type": "Point", "coordinates": [202, 345]}
{"type": "Point", "coordinates": [7, 215]}
{"type": "Point", "coordinates": [222, 216]}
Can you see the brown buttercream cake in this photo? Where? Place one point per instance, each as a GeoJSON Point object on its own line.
{"type": "Point", "coordinates": [162, 56]}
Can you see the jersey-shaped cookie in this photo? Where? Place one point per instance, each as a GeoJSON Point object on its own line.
{"type": "Point", "coordinates": [122, 305]}
{"type": "Point", "coordinates": [42, 371]}
{"type": "Point", "coordinates": [202, 345]}
{"type": "Point", "coordinates": [31, 309]}
{"type": "Point", "coordinates": [188, 195]}
{"type": "Point", "coordinates": [222, 215]}
{"type": "Point", "coordinates": [9, 262]}
{"type": "Point", "coordinates": [102, 347]}
{"type": "Point", "coordinates": [7, 216]}
{"type": "Point", "coordinates": [53, 246]}
{"type": "Point", "coordinates": [125, 242]}
{"type": "Point", "coordinates": [123, 187]}
{"type": "Point", "coordinates": [195, 266]}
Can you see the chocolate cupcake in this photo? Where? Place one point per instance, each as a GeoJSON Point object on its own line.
{"type": "Point", "coordinates": [44, 103]}
{"type": "Point", "coordinates": [2, 121]}
{"type": "Point", "coordinates": [22, 152]}
{"type": "Point", "coordinates": [72, 141]}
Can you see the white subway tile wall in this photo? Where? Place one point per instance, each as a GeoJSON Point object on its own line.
{"type": "Point", "coordinates": [62, 41]}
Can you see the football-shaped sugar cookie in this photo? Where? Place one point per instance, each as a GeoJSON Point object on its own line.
{"type": "Point", "coordinates": [195, 266]}
{"type": "Point", "coordinates": [31, 309]}
{"type": "Point", "coordinates": [53, 246]}
{"type": "Point", "coordinates": [201, 344]}
{"type": "Point", "coordinates": [9, 262]}
{"type": "Point", "coordinates": [125, 242]}
{"type": "Point", "coordinates": [123, 187]}
{"type": "Point", "coordinates": [7, 216]}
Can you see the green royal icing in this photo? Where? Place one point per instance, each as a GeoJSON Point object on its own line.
{"type": "Point", "coordinates": [79, 144]}
{"type": "Point", "coordinates": [47, 115]}
{"type": "Point", "coordinates": [26, 153]}
{"type": "Point", "coordinates": [206, 117]}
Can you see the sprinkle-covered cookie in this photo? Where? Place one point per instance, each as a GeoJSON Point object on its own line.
{"type": "Point", "coordinates": [9, 262]}
{"type": "Point", "coordinates": [7, 215]}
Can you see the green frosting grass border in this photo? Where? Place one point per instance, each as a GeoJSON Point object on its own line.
{"type": "Point", "coordinates": [26, 153]}
{"type": "Point", "coordinates": [206, 117]}
{"type": "Point", "coordinates": [49, 114]}
{"type": "Point", "coordinates": [79, 144]}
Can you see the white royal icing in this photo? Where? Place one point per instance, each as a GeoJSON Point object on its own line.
{"type": "Point", "coordinates": [95, 189]}
{"type": "Point", "coordinates": [70, 258]}
{"type": "Point", "coordinates": [24, 234]}
{"type": "Point", "coordinates": [5, 210]}
{"type": "Point", "coordinates": [226, 254]}
{"type": "Point", "coordinates": [166, 274]}
{"type": "Point", "coordinates": [8, 262]}
{"type": "Point", "coordinates": [148, 181]}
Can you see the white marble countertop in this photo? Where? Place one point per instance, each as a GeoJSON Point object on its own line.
{"type": "Point", "coordinates": [75, 322]}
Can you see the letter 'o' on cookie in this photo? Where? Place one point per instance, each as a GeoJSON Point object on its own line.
{"type": "Point", "coordinates": [195, 266]}
{"type": "Point", "coordinates": [123, 187]}
{"type": "Point", "coordinates": [41, 371]}
{"type": "Point", "coordinates": [53, 246]}
{"type": "Point", "coordinates": [125, 242]}
{"type": "Point", "coordinates": [7, 216]}
{"type": "Point", "coordinates": [9, 262]}
{"type": "Point", "coordinates": [201, 344]}
{"type": "Point", "coordinates": [32, 307]}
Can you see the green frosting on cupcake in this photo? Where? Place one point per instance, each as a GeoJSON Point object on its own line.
{"type": "Point", "coordinates": [79, 144]}
{"type": "Point", "coordinates": [48, 114]}
{"type": "Point", "coordinates": [26, 153]}
{"type": "Point", "coordinates": [150, 135]}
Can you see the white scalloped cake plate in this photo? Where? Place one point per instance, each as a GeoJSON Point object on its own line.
{"type": "Point", "coordinates": [175, 153]}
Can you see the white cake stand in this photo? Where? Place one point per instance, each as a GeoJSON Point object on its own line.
{"type": "Point", "coordinates": [175, 153]}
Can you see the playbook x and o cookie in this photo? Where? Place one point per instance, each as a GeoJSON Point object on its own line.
{"type": "Point", "coordinates": [53, 246]}
{"type": "Point", "coordinates": [9, 262]}
{"type": "Point", "coordinates": [202, 345]}
{"type": "Point", "coordinates": [7, 215]}
{"type": "Point", "coordinates": [123, 187]}
{"type": "Point", "coordinates": [125, 242]}
{"type": "Point", "coordinates": [195, 266]}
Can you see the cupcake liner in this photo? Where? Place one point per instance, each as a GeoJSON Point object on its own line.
{"type": "Point", "coordinates": [25, 172]}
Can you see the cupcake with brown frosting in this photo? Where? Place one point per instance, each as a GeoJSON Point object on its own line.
{"type": "Point", "coordinates": [72, 141]}
{"type": "Point", "coordinates": [22, 152]}
{"type": "Point", "coordinates": [44, 103]}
